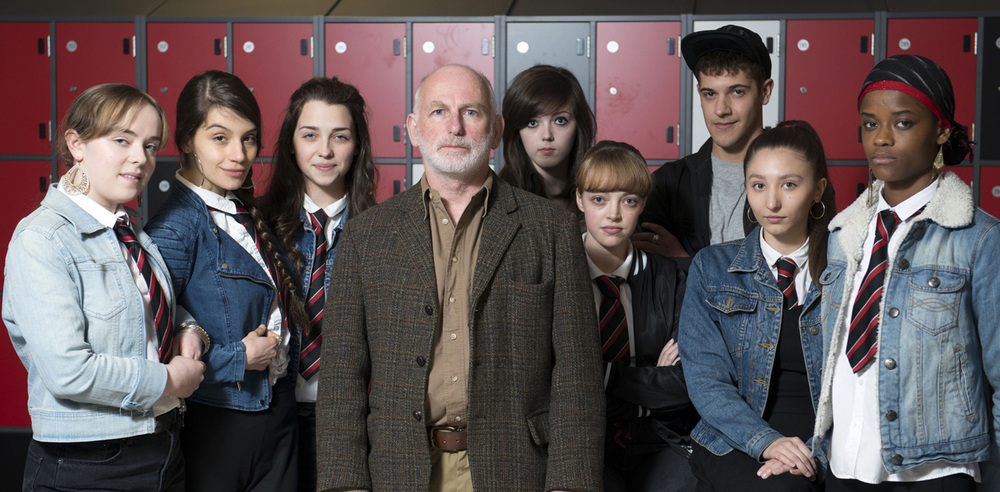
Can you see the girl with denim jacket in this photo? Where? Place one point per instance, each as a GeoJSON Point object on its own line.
{"type": "Point", "coordinates": [88, 305]}
{"type": "Point", "coordinates": [229, 273]}
{"type": "Point", "coordinates": [323, 174]}
{"type": "Point", "coordinates": [749, 331]}
{"type": "Point", "coordinates": [910, 366]}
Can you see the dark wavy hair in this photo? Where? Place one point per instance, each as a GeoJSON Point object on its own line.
{"type": "Point", "coordinates": [215, 89]}
{"type": "Point", "coordinates": [282, 204]}
{"type": "Point", "coordinates": [801, 138]}
{"type": "Point", "coordinates": [716, 63]}
{"type": "Point", "coordinates": [539, 90]}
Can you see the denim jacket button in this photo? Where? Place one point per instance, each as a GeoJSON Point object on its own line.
{"type": "Point", "coordinates": [890, 364]}
{"type": "Point", "coordinates": [262, 402]}
{"type": "Point", "coordinates": [225, 266]}
{"type": "Point", "coordinates": [934, 282]}
{"type": "Point", "coordinates": [893, 312]}
{"type": "Point", "coordinates": [902, 264]}
{"type": "Point", "coordinates": [814, 331]}
{"type": "Point", "coordinates": [897, 459]}
{"type": "Point", "coordinates": [891, 416]}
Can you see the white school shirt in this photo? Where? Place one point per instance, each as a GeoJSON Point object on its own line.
{"type": "Point", "coordinates": [855, 447]}
{"type": "Point", "coordinates": [222, 210]}
{"type": "Point", "coordinates": [624, 292]}
{"type": "Point", "coordinates": [305, 391]}
{"type": "Point", "coordinates": [166, 402]}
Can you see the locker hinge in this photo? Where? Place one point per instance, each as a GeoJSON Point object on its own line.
{"type": "Point", "coordinates": [133, 46]}
{"type": "Point", "coordinates": [777, 45]}
{"type": "Point", "coordinates": [312, 47]}
{"type": "Point", "coordinates": [225, 46]}
{"type": "Point", "coordinates": [48, 46]}
{"type": "Point", "coordinates": [588, 46]}
{"type": "Point", "coordinates": [404, 46]}
{"type": "Point", "coordinates": [50, 130]}
{"type": "Point", "coordinates": [972, 133]}
{"type": "Point", "coordinates": [493, 46]}
{"type": "Point", "coordinates": [873, 45]}
{"type": "Point", "coordinates": [975, 44]}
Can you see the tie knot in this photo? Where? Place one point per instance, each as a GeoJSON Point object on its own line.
{"type": "Point", "coordinates": [786, 267]}
{"type": "Point", "coordinates": [123, 229]}
{"type": "Point", "coordinates": [319, 219]}
{"type": "Point", "coordinates": [889, 221]}
{"type": "Point", "coordinates": [609, 285]}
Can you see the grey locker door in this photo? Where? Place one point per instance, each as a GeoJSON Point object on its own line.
{"type": "Point", "coordinates": [563, 44]}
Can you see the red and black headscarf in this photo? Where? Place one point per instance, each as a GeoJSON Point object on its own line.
{"type": "Point", "coordinates": [925, 81]}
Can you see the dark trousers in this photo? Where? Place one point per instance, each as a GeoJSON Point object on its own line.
{"type": "Point", "coordinates": [958, 482]}
{"type": "Point", "coordinates": [307, 446]}
{"type": "Point", "coordinates": [735, 471]}
{"type": "Point", "coordinates": [152, 462]}
{"type": "Point", "coordinates": [232, 450]}
{"type": "Point", "coordinates": [637, 459]}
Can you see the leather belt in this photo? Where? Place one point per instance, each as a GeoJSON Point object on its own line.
{"type": "Point", "coordinates": [449, 439]}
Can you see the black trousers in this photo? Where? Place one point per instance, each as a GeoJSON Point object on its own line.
{"type": "Point", "coordinates": [307, 446]}
{"type": "Point", "coordinates": [958, 482]}
{"type": "Point", "coordinates": [233, 450]}
{"type": "Point", "coordinates": [735, 471]}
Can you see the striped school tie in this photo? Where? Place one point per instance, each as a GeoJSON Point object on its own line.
{"type": "Point", "coordinates": [614, 326]}
{"type": "Point", "coordinates": [863, 336]}
{"type": "Point", "coordinates": [311, 342]}
{"type": "Point", "coordinates": [158, 305]}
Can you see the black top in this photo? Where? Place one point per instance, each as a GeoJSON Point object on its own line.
{"type": "Point", "coordinates": [789, 407]}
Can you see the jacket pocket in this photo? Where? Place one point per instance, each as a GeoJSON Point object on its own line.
{"type": "Point", "coordinates": [933, 301]}
{"type": "Point", "coordinates": [740, 307]}
{"type": "Point", "coordinates": [538, 426]}
{"type": "Point", "coordinates": [103, 293]}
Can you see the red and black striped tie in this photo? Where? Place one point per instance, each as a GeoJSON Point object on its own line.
{"type": "Point", "coordinates": [311, 342]}
{"type": "Point", "coordinates": [614, 327]}
{"type": "Point", "coordinates": [862, 340]}
{"type": "Point", "coordinates": [786, 280]}
{"type": "Point", "coordinates": [158, 305]}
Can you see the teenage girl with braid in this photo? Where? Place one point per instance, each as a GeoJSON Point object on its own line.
{"type": "Point", "coordinates": [323, 175]}
{"type": "Point", "coordinates": [230, 275]}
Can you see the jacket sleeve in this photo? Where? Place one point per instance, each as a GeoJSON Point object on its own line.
{"type": "Point", "coordinates": [711, 373]}
{"type": "Point", "coordinates": [53, 336]}
{"type": "Point", "coordinates": [985, 285]}
{"type": "Point", "coordinates": [342, 405]}
{"type": "Point", "coordinates": [576, 403]}
{"type": "Point", "coordinates": [224, 362]}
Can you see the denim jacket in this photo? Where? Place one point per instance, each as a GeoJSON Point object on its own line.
{"type": "Point", "coordinates": [307, 245]}
{"type": "Point", "coordinates": [940, 328]}
{"type": "Point", "coordinates": [729, 330]}
{"type": "Point", "coordinates": [76, 321]}
{"type": "Point", "coordinates": [226, 290]}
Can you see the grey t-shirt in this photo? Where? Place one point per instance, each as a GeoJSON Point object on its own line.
{"type": "Point", "coordinates": [725, 212]}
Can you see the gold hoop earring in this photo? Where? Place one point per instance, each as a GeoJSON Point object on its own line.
{"type": "Point", "coordinates": [939, 159]}
{"type": "Point", "coordinates": [821, 214]}
{"type": "Point", "coordinates": [253, 184]}
{"type": "Point", "coordinates": [67, 185]}
{"type": "Point", "coordinates": [750, 217]}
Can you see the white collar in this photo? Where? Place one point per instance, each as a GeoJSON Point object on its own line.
{"type": "Point", "coordinates": [211, 198]}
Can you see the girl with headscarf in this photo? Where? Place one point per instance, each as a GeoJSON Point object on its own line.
{"type": "Point", "coordinates": [909, 300]}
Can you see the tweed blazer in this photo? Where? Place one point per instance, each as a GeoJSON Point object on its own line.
{"type": "Point", "coordinates": [536, 397]}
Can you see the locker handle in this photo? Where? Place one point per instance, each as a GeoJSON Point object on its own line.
{"type": "Point", "coordinates": [395, 47]}
{"type": "Point", "coordinates": [579, 46]}
{"type": "Point", "coordinates": [966, 43]}
{"type": "Point", "coordinates": [864, 44]}
{"type": "Point", "coordinates": [43, 184]}
{"type": "Point", "coordinates": [41, 131]}
{"type": "Point", "coordinates": [218, 46]}
{"type": "Point", "coordinates": [125, 47]}
{"type": "Point", "coordinates": [486, 47]}
{"type": "Point", "coordinates": [397, 134]}
{"type": "Point", "coordinates": [396, 185]}
{"type": "Point", "coordinates": [304, 47]}
{"type": "Point", "coordinates": [670, 46]}
{"type": "Point", "coordinates": [770, 44]}
{"type": "Point", "coordinates": [41, 46]}
{"type": "Point", "coordinates": [670, 134]}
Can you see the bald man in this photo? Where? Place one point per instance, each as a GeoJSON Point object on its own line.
{"type": "Point", "coordinates": [467, 307]}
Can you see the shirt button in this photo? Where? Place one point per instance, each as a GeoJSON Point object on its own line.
{"type": "Point", "coordinates": [458, 418]}
{"type": "Point", "coordinates": [444, 221]}
{"type": "Point", "coordinates": [934, 282]}
{"type": "Point", "coordinates": [897, 459]}
{"type": "Point", "coordinates": [451, 299]}
{"type": "Point", "coordinates": [454, 336]}
{"type": "Point", "coordinates": [418, 415]}
{"type": "Point", "coordinates": [421, 361]}
{"type": "Point", "coordinates": [428, 309]}
{"type": "Point", "coordinates": [902, 264]}
{"type": "Point", "coordinates": [454, 259]}
{"type": "Point", "coordinates": [891, 416]}
{"type": "Point", "coordinates": [890, 364]}
{"type": "Point", "coordinates": [893, 312]}
{"type": "Point", "coordinates": [454, 379]}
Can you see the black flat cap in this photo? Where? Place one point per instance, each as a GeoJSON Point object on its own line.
{"type": "Point", "coordinates": [727, 38]}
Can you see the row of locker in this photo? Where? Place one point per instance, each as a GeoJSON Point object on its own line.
{"type": "Point", "coordinates": [631, 70]}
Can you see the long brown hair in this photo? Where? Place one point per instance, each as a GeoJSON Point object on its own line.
{"type": "Point", "coordinates": [800, 137]}
{"type": "Point", "coordinates": [282, 204]}
{"type": "Point", "coordinates": [215, 89]}
{"type": "Point", "coordinates": [539, 90]}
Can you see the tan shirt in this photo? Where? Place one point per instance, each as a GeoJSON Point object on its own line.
{"type": "Point", "coordinates": [456, 248]}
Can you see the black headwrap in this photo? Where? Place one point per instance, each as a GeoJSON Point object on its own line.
{"type": "Point", "coordinates": [928, 83]}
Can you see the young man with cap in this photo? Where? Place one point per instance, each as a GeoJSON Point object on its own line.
{"type": "Point", "coordinates": [700, 199]}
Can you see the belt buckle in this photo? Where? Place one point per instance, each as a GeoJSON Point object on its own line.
{"type": "Point", "coordinates": [441, 431]}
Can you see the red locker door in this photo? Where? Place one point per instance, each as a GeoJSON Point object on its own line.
{"type": "Point", "coordinates": [820, 94]}
{"type": "Point", "coordinates": [370, 57]}
{"type": "Point", "coordinates": [391, 180]}
{"type": "Point", "coordinates": [989, 193]}
{"type": "Point", "coordinates": [175, 53]}
{"type": "Point", "coordinates": [638, 85]}
{"type": "Point", "coordinates": [273, 60]}
{"type": "Point", "coordinates": [951, 44]}
{"type": "Point", "coordinates": [465, 43]}
{"type": "Point", "coordinates": [24, 89]}
{"type": "Point", "coordinates": [91, 53]}
{"type": "Point", "coordinates": [26, 183]}
{"type": "Point", "coordinates": [849, 182]}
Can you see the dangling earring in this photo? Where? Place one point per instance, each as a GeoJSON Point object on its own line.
{"type": "Point", "coordinates": [821, 214]}
{"type": "Point", "coordinates": [253, 184]}
{"type": "Point", "coordinates": [939, 159]}
{"type": "Point", "coordinates": [66, 182]}
{"type": "Point", "coordinates": [872, 198]}
{"type": "Point", "coordinates": [750, 217]}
